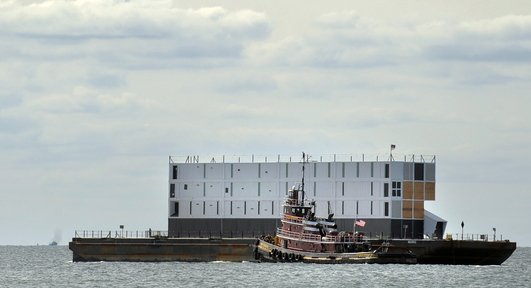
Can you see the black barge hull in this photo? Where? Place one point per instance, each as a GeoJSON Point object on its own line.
{"type": "Point", "coordinates": [453, 252]}
{"type": "Point", "coordinates": [163, 249]}
{"type": "Point", "coordinates": [456, 252]}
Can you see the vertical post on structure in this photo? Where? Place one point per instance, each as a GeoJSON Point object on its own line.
{"type": "Point", "coordinates": [462, 229]}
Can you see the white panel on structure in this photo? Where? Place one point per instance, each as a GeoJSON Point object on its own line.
{"type": "Point", "coordinates": [184, 209]}
{"type": "Point", "coordinates": [283, 167]}
{"type": "Point", "coordinates": [227, 167]}
{"type": "Point", "coordinates": [350, 207]}
{"type": "Point", "coordinates": [237, 208]}
{"type": "Point", "coordinates": [397, 171]}
{"type": "Point", "coordinates": [190, 190]}
{"type": "Point", "coordinates": [245, 170]}
{"type": "Point", "coordinates": [364, 208]}
{"type": "Point", "coordinates": [191, 171]}
{"type": "Point", "coordinates": [251, 208]}
{"type": "Point", "coordinates": [269, 170]}
{"type": "Point", "coordinates": [378, 208]}
{"type": "Point", "coordinates": [350, 189]}
{"type": "Point", "coordinates": [266, 208]}
{"type": "Point", "coordinates": [226, 208]}
{"type": "Point", "coordinates": [197, 208]}
{"type": "Point", "coordinates": [309, 189]}
{"type": "Point", "coordinates": [324, 189]}
{"type": "Point", "coordinates": [214, 190]}
{"type": "Point", "coordinates": [245, 190]}
{"type": "Point", "coordinates": [214, 171]}
{"type": "Point", "coordinates": [321, 208]}
{"type": "Point", "coordinates": [338, 169]}
{"type": "Point", "coordinates": [351, 170]}
{"type": "Point", "coordinates": [268, 190]}
{"type": "Point", "coordinates": [339, 208]}
{"type": "Point", "coordinates": [377, 189]}
{"type": "Point", "coordinates": [365, 169]}
{"type": "Point", "coordinates": [379, 169]}
{"type": "Point", "coordinates": [321, 170]}
{"type": "Point", "coordinates": [361, 189]}
{"type": "Point", "coordinates": [211, 209]}
{"type": "Point", "coordinates": [339, 189]}
{"type": "Point", "coordinates": [295, 170]}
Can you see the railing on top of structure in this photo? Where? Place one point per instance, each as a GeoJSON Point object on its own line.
{"type": "Point", "coordinates": [312, 158]}
{"type": "Point", "coordinates": [475, 237]}
{"type": "Point", "coordinates": [99, 234]}
{"type": "Point", "coordinates": [118, 234]}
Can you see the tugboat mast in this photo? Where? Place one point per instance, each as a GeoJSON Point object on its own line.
{"type": "Point", "coordinates": [303, 162]}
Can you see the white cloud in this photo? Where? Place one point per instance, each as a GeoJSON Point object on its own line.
{"type": "Point", "coordinates": [510, 27]}
{"type": "Point", "coordinates": [346, 39]}
{"type": "Point", "coordinates": [132, 33]}
{"type": "Point", "coordinates": [85, 100]}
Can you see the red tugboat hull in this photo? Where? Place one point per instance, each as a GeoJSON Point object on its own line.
{"type": "Point", "coordinates": [268, 252]}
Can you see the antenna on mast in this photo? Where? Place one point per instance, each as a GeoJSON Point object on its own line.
{"type": "Point", "coordinates": [303, 163]}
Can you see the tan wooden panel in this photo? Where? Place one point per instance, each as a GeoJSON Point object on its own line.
{"type": "Point", "coordinates": [407, 190]}
{"type": "Point", "coordinates": [407, 209]}
{"type": "Point", "coordinates": [418, 210]}
{"type": "Point", "coordinates": [430, 191]}
{"type": "Point", "coordinates": [419, 191]}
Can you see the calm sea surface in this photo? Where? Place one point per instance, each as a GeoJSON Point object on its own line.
{"type": "Point", "coordinates": [43, 266]}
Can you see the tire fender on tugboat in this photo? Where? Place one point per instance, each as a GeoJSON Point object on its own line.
{"type": "Point", "coordinates": [291, 257]}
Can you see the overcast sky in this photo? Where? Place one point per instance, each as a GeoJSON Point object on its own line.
{"type": "Point", "coordinates": [94, 96]}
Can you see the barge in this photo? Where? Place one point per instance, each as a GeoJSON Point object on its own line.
{"type": "Point", "coordinates": [162, 249]}
{"type": "Point", "coordinates": [219, 208]}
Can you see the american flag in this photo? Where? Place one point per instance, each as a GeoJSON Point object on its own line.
{"type": "Point", "coordinates": [360, 223]}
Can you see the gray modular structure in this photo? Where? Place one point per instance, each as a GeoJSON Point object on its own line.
{"type": "Point", "coordinates": [242, 196]}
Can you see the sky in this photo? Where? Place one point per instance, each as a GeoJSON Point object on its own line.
{"type": "Point", "coordinates": [95, 95]}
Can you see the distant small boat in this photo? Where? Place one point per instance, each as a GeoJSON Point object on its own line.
{"type": "Point", "coordinates": [53, 243]}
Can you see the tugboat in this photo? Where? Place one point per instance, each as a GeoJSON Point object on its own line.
{"type": "Point", "coordinates": [303, 237]}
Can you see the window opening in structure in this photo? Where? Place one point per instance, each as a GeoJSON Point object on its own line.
{"type": "Point", "coordinates": [172, 190]}
{"type": "Point", "coordinates": [397, 189]}
{"type": "Point", "coordinates": [174, 174]}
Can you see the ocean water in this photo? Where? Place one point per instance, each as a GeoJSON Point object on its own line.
{"type": "Point", "coordinates": [44, 266]}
